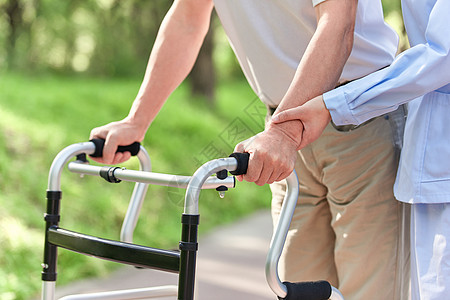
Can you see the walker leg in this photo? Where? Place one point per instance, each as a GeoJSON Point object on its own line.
{"type": "Point", "coordinates": [188, 257]}
{"type": "Point", "coordinates": [48, 290]}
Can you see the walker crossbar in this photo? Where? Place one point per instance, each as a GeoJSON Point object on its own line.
{"type": "Point", "coordinates": [141, 293]}
{"type": "Point", "coordinates": [125, 253]}
{"type": "Point", "coordinates": [151, 177]}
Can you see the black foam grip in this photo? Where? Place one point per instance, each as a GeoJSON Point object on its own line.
{"type": "Point", "coordinates": [242, 163]}
{"type": "Point", "coordinates": [312, 290]}
{"type": "Point", "coordinates": [100, 143]}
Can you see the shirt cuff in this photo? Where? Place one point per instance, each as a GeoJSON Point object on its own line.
{"type": "Point", "coordinates": [336, 104]}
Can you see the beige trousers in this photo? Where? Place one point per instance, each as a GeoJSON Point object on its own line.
{"type": "Point", "coordinates": [347, 227]}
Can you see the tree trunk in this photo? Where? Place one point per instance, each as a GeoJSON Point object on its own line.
{"type": "Point", "coordinates": [13, 11]}
{"type": "Point", "coordinates": [202, 77]}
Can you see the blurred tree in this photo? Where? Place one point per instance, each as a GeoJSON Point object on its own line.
{"type": "Point", "coordinates": [393, 15]}
{"type": "Point", "coordinates": [13, 12]}
{"type": "Point", "coordinates": [202, 77]}
{"type": "Point", "coordinates": [109, 37]}
{"type": "Point", "coordinates": [106, 37]}
{"type": "Point", "coordinates": [99, 37]}
{"type": "Point", "coordinates": [391, 5]}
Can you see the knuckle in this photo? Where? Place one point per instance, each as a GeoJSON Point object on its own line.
{"type": "Point", "coordinates": [249, 178]}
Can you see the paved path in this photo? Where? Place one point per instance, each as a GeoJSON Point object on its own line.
{"type": "Point", "coordinates": [231, 262]}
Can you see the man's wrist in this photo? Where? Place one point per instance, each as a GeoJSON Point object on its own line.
{"type": "Point", "coordinates": [140, 123]}
{"type": "Point", "coordinates": [291, 129]}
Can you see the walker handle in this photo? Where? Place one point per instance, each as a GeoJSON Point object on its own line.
{"type": "Point", "coordinates": [100, 143]}
{"type": "Point", "coordinates": [311, 290]}
{"type": "Point", "coordinates": [242, 163]}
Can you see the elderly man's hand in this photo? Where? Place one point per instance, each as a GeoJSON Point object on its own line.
{"type": "Point", "coordinates": [272, 152]}
{"type": "Point", "coordinates": [121, 133]}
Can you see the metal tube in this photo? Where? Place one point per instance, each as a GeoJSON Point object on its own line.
{"type": "Point", "coordinates": [54, 178]}
{"type": "Point", "coordinates": [48, 290]}
{"type": "Point", "coordinates": [279, 236]}
{"type": "Point", "coordinates": [126, 253]}
{"type": "Point", "coordinates": [51, 218]}
{"type": "Point", "coordinates": [137, 199]}
{"type": "Point", "coordinates": [335, 294]}
{"type": "Point", "coordinates": [54, 185]}
{"type": "Point", "coordinates": [143, 293]}
{"type": "Point", "coordinates": [188, 256]}
{"type": "Point", "coordinates": [153, 178]}
{"type": "Point", "coordinates": [199, 178]}
{"type": "Point", "coordinates": [190, 220]}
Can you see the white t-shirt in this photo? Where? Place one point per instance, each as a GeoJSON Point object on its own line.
{"type": "Point", "coordinates": [269, 38]}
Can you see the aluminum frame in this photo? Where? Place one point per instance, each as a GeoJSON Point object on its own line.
{"type": "Point", "coordinates": [200, 180]}
{"type": "Point", "coordinates": [143, 177]}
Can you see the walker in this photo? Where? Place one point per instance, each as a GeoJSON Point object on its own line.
{"type": "Point", "coordinates": [182, 262]}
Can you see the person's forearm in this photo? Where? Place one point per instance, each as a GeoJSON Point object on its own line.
{"type": "Point", "coordinates": [321, 65]}
{"type": "Point", "coordinates": [417, 71]}
{"type": "Point", "coordinates": [174, 53]}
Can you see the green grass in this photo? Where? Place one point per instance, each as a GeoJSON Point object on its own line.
{"type": "Point", "coordinates": [41, 115]}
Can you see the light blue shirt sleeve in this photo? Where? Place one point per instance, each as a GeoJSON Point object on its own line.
{"type": "Point", "coordinates": [317, 2]}
{"type": "Point", "coordinates": [423, 68]}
